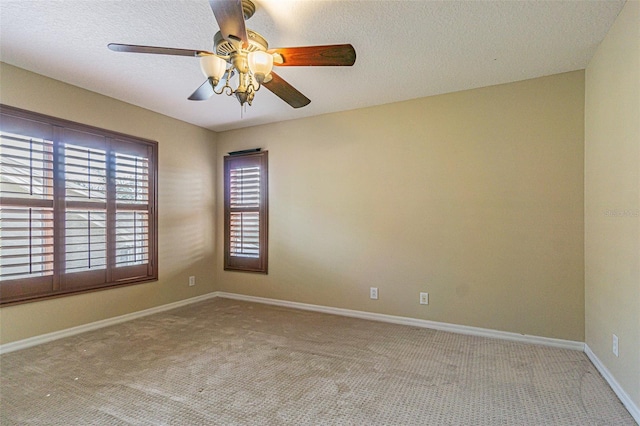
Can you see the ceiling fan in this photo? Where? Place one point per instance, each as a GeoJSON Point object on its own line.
{"type": "Point", "coordinates": [239, 50]}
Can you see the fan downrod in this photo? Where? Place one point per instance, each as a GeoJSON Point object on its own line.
{"type": "Point", "coordinates": [248, 9]}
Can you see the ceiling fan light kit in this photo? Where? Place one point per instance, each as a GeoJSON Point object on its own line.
{"type": "Point", "coordinates": [245, 53]}
{"type": "Point", "coordinates": [253, 69]}
{"type": "Point", "coordinates": [213, 67]}
{"type": "Point", "coordinates": [260, 64]}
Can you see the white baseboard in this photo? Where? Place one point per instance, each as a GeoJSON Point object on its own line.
{"type": "Point", "coordinates": [461, 329]}
{"type": "Point", "coordinates": [622, 395]}
{"type": "Point", "coordinates": [44, 338]}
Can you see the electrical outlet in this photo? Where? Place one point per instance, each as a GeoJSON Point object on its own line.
{"type": "Point", "coordinates": [373, 293]}
{"type": "Point", "coordinates": [424, 298]}
{"type": "Point", "coordinates": [615, 345]}
{"type": "Point", "coordinates": [192, 281]}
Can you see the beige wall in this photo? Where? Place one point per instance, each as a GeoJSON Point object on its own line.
{"type": "Point", "coordinates": [475, 197]}
{"type": "Point", "coordinates": [186, 205]}
{"type": "Point", "coordinates": [612, 200]}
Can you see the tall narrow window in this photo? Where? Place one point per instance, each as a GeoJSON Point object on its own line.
{"type": "Point", "coordinates": [246, 212]}
{"type": "Point", "coordinates": [77, 207]}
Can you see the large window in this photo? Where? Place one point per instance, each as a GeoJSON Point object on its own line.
{"type": "Point", "coordinates": [77, 207]}
{"type": "Point", "coordinates": [246, 212]}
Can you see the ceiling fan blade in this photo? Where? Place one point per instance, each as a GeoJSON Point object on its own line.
{"type": "Point", "coordinates": [286, 92]}
{"type": "Point", "coordinates": [330, 55]}
{"type": "Point", "coordinates": [204, 92]}
{"type": "Point", "coordinates": [117, 47]}
{"type": "Point", "coordinates": [230, 18]}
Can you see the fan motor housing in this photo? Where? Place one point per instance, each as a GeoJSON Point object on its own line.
{"type": "Point", "coordinates": [225, 48]}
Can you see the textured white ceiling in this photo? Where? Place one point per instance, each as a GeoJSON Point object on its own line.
{"type": "Point", "coordinates": [405, 49]}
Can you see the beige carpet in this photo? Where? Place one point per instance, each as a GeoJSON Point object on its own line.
{"type": "Point", "coordinates": [224, 362]}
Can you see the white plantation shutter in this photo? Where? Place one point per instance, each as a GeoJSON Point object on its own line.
{"type": "Point", "coordinates": [27, 242]}
{"type": "Point", "coordinates": [132, 235]}
{"type": "Point", "coordinates": [85, 240]}
{"type": "Point", "coordinates": [26, 213]}
{"type": "Point", "coordinates": [77, 207]}
{"type": "Point", "coordinates": [132, 209]}
{"type": "Point", "coordinates": [245, 187]}
{"type": "Point", "coordinates": [245, 234]}
{"type": "Point", "coordinates": [85, 214]}
{"type": "Point", "coordinates": [246, 212]}
{"type": "Point", "coordinates": [244, 225]}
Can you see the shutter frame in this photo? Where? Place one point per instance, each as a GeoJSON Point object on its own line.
{"type": "Point", "coordinates": [240, 259]}
{"type": "Point", "coordinates": [60, 133]}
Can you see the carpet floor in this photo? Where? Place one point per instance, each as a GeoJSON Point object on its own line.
{"type": "Point", "coordinates": [225, 362]}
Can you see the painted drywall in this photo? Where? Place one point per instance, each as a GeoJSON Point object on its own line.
{"type": "Point", "coordinates": [612, 200]}
{"type": "Point", "coordinates": [475, 197]}
{"type": "Point", "coordinates": [186, 205]}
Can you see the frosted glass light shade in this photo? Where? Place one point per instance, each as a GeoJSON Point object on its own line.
{"type": "Point", "coordinates": [260, 63]}
{"type": "Point", "coordinates": [213, 66]}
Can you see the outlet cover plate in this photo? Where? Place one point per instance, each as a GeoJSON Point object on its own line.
{"type": "Point", "coordinates": [424, 298]}
{"type": "Point", "coordinates": [373, 293]}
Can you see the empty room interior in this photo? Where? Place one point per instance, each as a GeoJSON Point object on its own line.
{"type": "Point", "coordinates": [429, 213]}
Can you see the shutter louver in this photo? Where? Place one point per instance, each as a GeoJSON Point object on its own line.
{"type": "Point", "coordinates": [27, 242]}
{"type": "Point", "coordinates": [85, 240]}
{"type": "Point", "coordinates": [132, 179]}
{"type": "Point", "coordinates": [132, 236]}
{"type": "Point", "coordinates": [85, 172]}
{"type": "Point", "coordinates": [245, 234]}
{"type": "Point", "coordinates": [26, 213]}
{"type": "Point", "coordinates": [245, 187]}
{"type": "Point", "coordinates": [85, 183]}
{"type": "Point", "coordinates": [244, 226]}
{"type": "Point", "coordinates": [132, 210]}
